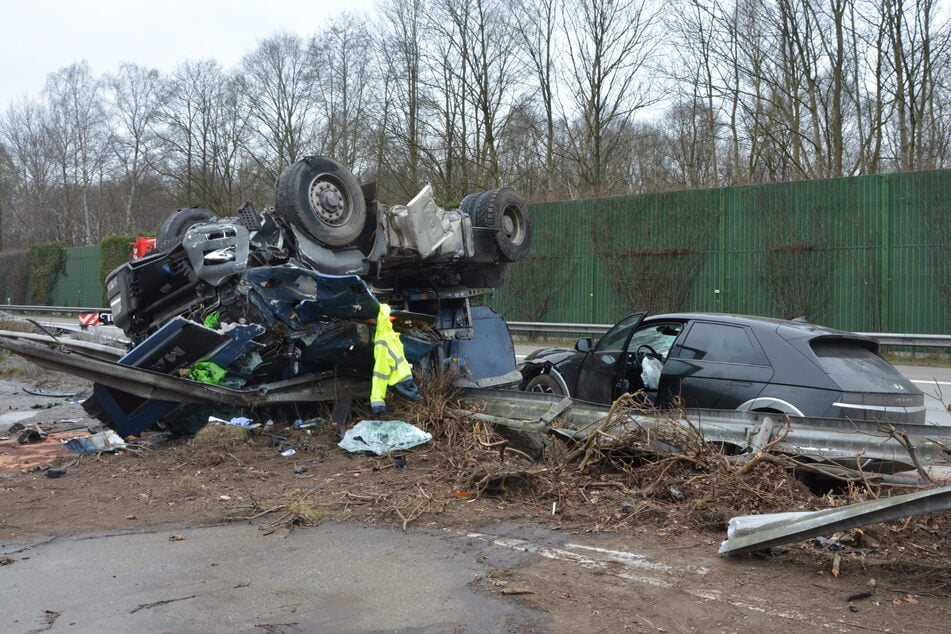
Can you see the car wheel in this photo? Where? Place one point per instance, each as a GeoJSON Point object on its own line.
{"type": "Point", "coordinates": [322, 197]}
{"type": "Point", "coordinates": [173, 229]}
{"type": "Point", "coordinates": [546, 384]}
{"type": "Point", "coordinates": [505, 212]}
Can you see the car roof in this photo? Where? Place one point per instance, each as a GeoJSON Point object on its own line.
{"type": "Point", "coordinates": [792, 329]}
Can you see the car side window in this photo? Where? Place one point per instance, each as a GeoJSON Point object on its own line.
{"type": "Point", "coordinates": [613, 340]}
{"type": "Point", "coordinates": [657, 337]}
{"type": "Point", "coordinates": [720, 342]}
{"type": "Point", "coordinates": [610, 346]}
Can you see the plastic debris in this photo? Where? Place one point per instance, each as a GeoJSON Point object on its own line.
{"type": "Point", "coordinates": [36, 392]}
{"type": "Point", "coordinates": [382, 436]}
{"type": "Point", "coordinates": [310, 423]}
{"type": "Point", "coordinates": [205, 372]}
{"type": "Point", "coordinates": [96, 443]}
{"type": "Point", "coordinates": [288, 453]}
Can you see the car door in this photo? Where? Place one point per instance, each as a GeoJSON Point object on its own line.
{"type": "Point", "coordinates": [715, 365]}
{"type": "Point", "coordinates": [602, 372]}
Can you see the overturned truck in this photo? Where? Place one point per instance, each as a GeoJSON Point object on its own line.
{"type": "Point", "coordinates": [285, 300]}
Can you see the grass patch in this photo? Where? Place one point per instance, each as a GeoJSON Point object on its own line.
{"type": "Point", "coordinates": [928, 360]}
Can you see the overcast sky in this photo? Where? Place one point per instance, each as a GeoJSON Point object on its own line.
{"type": "Point", "coordinates": [39, 37]}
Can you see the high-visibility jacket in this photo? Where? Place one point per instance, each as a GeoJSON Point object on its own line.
{"type": "Point", "coordinates": [389, 365]}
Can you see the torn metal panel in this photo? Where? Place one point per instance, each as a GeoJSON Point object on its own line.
{"type": "Point", "coordinates": [752, 536]}
{"type": "Point", "coordinates": [155, 385]}
{"type": "Point", "coordinates": [97, 350]}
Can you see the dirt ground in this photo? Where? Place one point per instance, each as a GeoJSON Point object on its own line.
{"type": "Point", "coordinates": [893, 577]}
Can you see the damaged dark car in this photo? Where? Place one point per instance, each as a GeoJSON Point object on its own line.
{"type": "Point", "coordinates": [716, 361]}
{"type": "Point", "coordinates": [284, 300]}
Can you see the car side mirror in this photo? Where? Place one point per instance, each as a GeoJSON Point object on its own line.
{"type": "Point", "coordinates": [583, 344]}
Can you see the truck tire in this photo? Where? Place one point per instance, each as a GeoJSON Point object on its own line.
{"type": "Point", "coordinates": [322, 197]}
{"type": "Point", "coordinates": [468, 203]}
{"type": "Point", "coordinates": [172, 231]}
{"type": "Point", "coordinates": [505, 212]}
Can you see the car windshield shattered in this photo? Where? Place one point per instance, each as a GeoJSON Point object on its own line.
{"type": "Point", "coordinates": [285, 301]}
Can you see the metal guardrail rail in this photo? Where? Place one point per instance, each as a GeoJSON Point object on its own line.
{"type": "Point", "coordinates": [884, 338]}
{"type": "Point", "coordinates": [46, 310]}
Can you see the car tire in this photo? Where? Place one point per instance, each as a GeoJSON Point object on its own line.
{"type": "Point", "coordinates": [506, 213]}
{"type": "Point", "coordinates": [172, 231]}
{"type": "Point", "coordinates": [322, 197]}
{"type": "Point", "coordinates": [546, 384]}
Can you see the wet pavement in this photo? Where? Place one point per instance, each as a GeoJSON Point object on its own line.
{"type": "Point", "coordinates": [236, 578]}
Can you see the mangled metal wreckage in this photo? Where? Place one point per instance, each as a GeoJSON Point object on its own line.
{"type": "Point", "coordinates": [285, 300]}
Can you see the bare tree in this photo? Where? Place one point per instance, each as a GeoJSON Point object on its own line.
{"type": "Point", "coordinates": [30, 215]}
{"type": "Point", "coordinates": [915, 62]}
{"type": "Point", "coordinates": [537, 25]}
{"type": "Point", "coordinates": [400, 48]}
{"type": "Point", "coordinates": [609, 44]}
{"type": "Point", "coordinates": [136, 93]}
{"type": "Point", "coordinates": [79, 136]}
{"type": "Point", "coordinates": [344, 85]}
{"type": "Point", "coordinates": [277, 85]}
{"type": "Point", "coordinates": [695, 116]}
{"type": "Point", "coordinates": [202, 130]}
{"type": "Point", "coordinates": [692, 144]}
{"type": "Point", "coordinates": [449, 129]}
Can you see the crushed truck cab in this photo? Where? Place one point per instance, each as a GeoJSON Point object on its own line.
{"type": "Point", "coordinates": [292, 291]}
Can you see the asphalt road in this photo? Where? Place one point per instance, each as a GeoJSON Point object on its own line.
{"type": "Point", "coordinates": [936, 384]}
{"type": "Point", "coordinates": [235, 578]}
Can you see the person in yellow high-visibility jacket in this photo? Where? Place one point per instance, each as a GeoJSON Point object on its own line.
{"type": "Point", "coordinates": [390, 367]}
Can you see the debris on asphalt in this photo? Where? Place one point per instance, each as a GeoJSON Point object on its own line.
{"type": "Point", "coordinates": [55, 472]}
{"type": "Point", "coordinates": [108, 441]}
{"type": "Point", "coordinates": [36, 392]}
{"type": "Point", "coordinates": [31, 435]}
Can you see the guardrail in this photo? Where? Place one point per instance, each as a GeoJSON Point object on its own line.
{"type": "Point", "coordinates": [884, 338]}
{"type": "Point", "coordinates": [46, 310]}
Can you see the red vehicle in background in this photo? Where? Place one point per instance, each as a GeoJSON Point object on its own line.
{"type": "Point", "coordinates": [141, 246]}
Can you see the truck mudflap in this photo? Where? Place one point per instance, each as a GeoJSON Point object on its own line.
{"type": "Point", "coordinates": [486, 357]}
